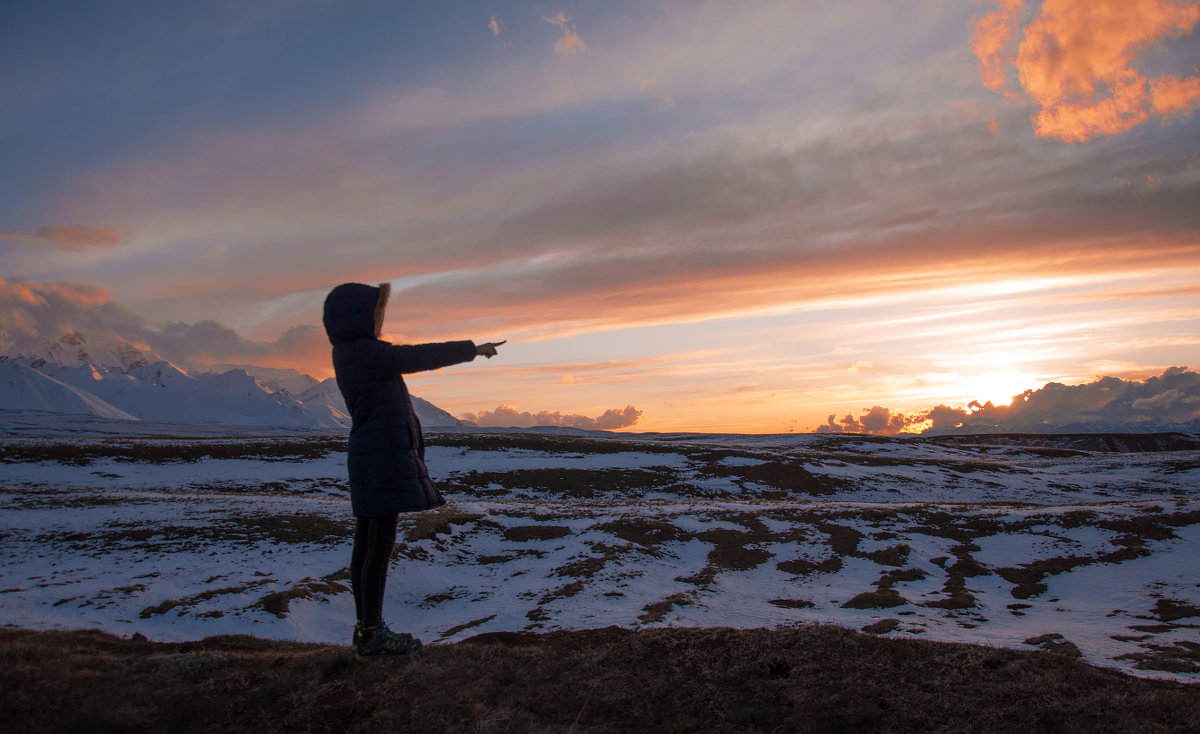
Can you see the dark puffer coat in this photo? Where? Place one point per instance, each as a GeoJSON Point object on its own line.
{"type": "Point", "coordinates": [387, 452]}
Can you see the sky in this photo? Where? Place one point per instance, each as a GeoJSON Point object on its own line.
{"type": "Point", "coordinates": [683, 216]}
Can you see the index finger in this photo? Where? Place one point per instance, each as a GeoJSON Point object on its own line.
{"type": "Point", "coordinates": [496, 344]}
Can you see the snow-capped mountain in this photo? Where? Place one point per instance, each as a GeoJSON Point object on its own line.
{"type": "Point", "coordinates": [325, 400]}
{"type": "Point", "coordinates": [154, 392]}
{"type": "Point", "coordinates": [25, 388]}
{"type": "Point", "coordinates": [294, 381]}
{"type": "Point", "coordinates": [434, 417]}
{"type": "Point", "coordinates": [325, 396]}
{"type": "Point", "coordinates": [75, 349]}
{"type": "Point", "coordinates": [72, 375]}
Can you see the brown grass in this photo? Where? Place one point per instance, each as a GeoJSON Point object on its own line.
{"type": "Point", "coordinates": [190, 601]}
{"type": "Point", "coordinates": [1181, 657]}
{"type": "Point", "coordinates": [1169, 610]}
{"type": "Point", "coordinates": [1055, 643]}
{"type": "Point", "coordinates": [563, 483]}
{"type": "Point", "coordinates": [548, 443]}
{"type": "Point", "coordinates": [658, 611]}
{"type": "Point", "coordinates": [525, 533]}
{"type": "Point", "coordinates": [418, 526]}
{"type": "Point", "coordinates": [278, 602]}
{"type": "Point", "coordinates": [166, 450]}
{"type": "Point", "coordinates": [806, 679]}
{"type": "Point", "coordinates": [789, 479]}
{"type": "Point", "coordinates": [881, 627]}
{"type": "Point", "coordinates": [880, 599]}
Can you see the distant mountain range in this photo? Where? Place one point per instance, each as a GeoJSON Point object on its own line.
{"type": "Point", "coordinates": [119, 380]}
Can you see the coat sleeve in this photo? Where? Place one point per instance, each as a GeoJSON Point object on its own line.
{"type": "Point", "coordinates": [389, 359]}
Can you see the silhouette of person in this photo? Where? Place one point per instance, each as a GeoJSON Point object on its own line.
{"type": "Point", "coordinates": [386, 452]}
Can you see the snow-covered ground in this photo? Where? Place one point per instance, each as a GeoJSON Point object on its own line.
{"type": "Point", "coordinates": [1013, 541]}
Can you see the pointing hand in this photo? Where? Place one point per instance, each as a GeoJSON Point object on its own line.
{"type": "Point", "coordinates": [487, 350]}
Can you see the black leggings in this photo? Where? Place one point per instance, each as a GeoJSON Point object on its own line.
{"type": "Point", "coordinates": [373, 541]}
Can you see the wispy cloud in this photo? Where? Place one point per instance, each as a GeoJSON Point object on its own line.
{"type": "Point", "coordinates": [495, 26]}
{"type": "Point", "coordinates": [69, 238]}
{"type": "Point", "coordinates": [570, 42]}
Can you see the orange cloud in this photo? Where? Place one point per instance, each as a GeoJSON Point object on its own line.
{"type": "Point", "coordinates": [991, 35]}
{"type": "Point", "coordinates": [570, 42]}
{"type": "Point", "coordinates": [36, 294]}
{"type": "Point", "coordinates": [1174, 96]}
{"type": "Point", "coordinates": [33, 312]}
{"type": "Point", "coordinates": [494, 26]}
{"type": "Point", "coordinates": [1075, 63]}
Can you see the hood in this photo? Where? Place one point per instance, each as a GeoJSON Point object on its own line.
{"type": "Point", "coordinates": [355, 311]}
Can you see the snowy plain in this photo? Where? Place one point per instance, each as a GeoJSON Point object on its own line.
{"type": "Point", "coordinates": [1061, 542]}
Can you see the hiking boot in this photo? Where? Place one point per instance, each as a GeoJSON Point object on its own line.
{"type": "Point", "coordinates": [356, 638]}
{"type": "Point", "coordinates": [377, 641]}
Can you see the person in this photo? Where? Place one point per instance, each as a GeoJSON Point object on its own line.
{"type": "Point", "coordinates": [386, 452]}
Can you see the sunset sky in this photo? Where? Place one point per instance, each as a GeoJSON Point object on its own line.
{"type": "Point", "coordinates": [731, 216]}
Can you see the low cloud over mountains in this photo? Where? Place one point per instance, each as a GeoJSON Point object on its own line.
{"type": "Point", "coordinates": [1168, 401]}
{"type": "Point", "coordinates": [506, 417]}
{"type": "Point", "coordinates": [35, 312]}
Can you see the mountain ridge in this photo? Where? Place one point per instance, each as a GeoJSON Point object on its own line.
{"type": "Point", "coordinates": [73, 375]}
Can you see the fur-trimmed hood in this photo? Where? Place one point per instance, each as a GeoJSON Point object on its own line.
{"type": "Point", "coordinates": [355, 311]}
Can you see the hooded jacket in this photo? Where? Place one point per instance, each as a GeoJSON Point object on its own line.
{"type": "Point", "coordinates": [386, 454]}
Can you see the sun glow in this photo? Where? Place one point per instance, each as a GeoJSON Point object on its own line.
{"type": "Point", "coordinates": [998, 387]}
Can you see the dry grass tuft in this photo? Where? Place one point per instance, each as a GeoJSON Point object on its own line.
{"type": "Point", "coordinates": [278, 602]}
{"type": "Point", "coordinates": [658, 611]}
{"type": "Point", "coordinates": [881, 627]}
{"type": "Point", "coordinates": [186, 603]}
{"type": "Point", "coordinates": [792, 603]}
{"type": "Point", "coordinates": [646, 532]}
{"type": "Point", "coordinates": [804, 679]}
{"type": "Point", "coordinates": [879, 599]}
{"type": "Point", "coordinates": [1169, 610]}
{"type": "Point", "coordinates": [1181, 657]}
{"type": "Point", "coordinates": [1056, 644]}
{"type": "Point", "coordinates": [525, 533]}
{"type": "Point", "coordinates": [418, 526]}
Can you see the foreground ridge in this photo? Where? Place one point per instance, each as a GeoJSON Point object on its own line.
{"type": "Point", "coordinates": [803, 679]}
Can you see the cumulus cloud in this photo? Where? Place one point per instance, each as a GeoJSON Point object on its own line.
{"type": "Point", "coordinates": [35, 313]}
{"type": "Point", "coordinates": [31, 311]}
{"type": "Point", "coordinates": [876, 420]}
{"type": "Point", "coordinates": [1076, 62]}
{"type": "Point", "coordinates": [570, 42]}
{"type": "Point", "coordinates": [208, 342]}
{"type": "Point", "coordinates": [1169, 401]}
{"type": "Point", "coordinates": [70, 238]}
{"type": "Point", "coordinates": [507, 417]}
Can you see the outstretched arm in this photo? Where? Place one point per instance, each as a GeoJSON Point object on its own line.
{"type": "Point", "coordinates": [387, 359]}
